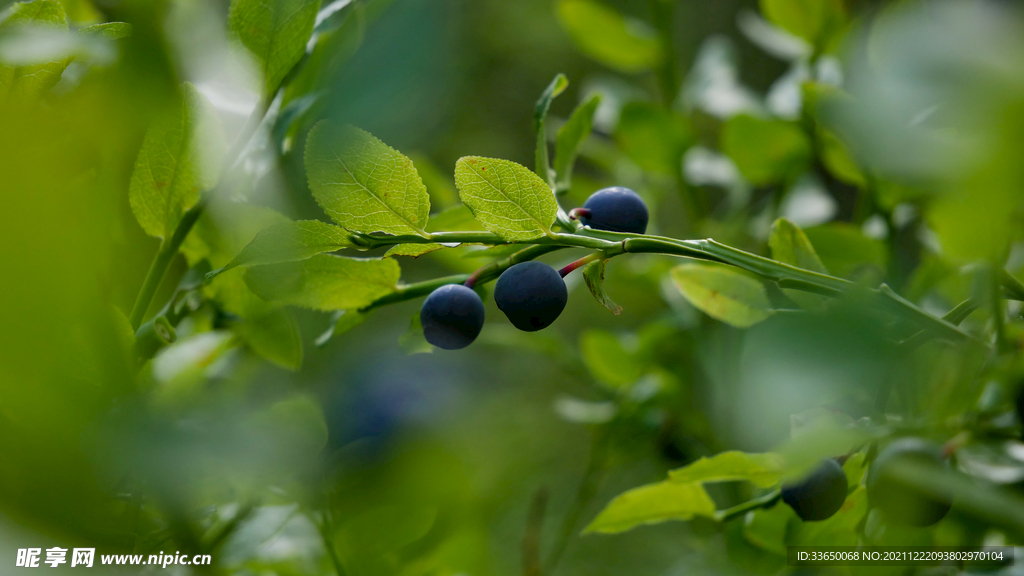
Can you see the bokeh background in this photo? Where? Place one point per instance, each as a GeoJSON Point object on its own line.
{"type": "Point", "coordinates": [429, 461]}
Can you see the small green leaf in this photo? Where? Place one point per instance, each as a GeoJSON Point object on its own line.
{"type": "Point", "coordinates": [790, 245]}
{"type": "Point", "coordinates": [593, 275]}
{"type": "Point", "coordinates": [31, 80]}
{"type": "Point", "coordinates": [507, 198]}
{"type": "Point", "coordinates": [767, 528]}
{"type": "Point", "coordinates": [625, 44]}
{"type": "Point", "coordinates": [413, 341]}
{"type": "Point", "coordinates": [723, 292]}
{"type": "Point", "coordinates": [813, 20]}
{"type": "Point", "coordinates": [287, 242]}
{"type": "Point", "coordinates": [276, 32]}
{"type": "Point", "coordinates": [762, 470]}
{"type": "Point", "coordinates": [324, 282]}
{"type": "Point", "coordinates": [413, 250]}
{"type": "Point", "coordinates": [458, 218]}
{"type": "Point", "coordinates": [846, 251]}
{"type": "Point", "coordinates": [570, 136]}
{"type": "Point", "coordinates": [651, 504]}
{"type": "Point", "coordinates": [610, 363]}
{"type": "Point", "coordinates": [840, 162]}
{"type": "Point", "coordinates": [274, 336]}
{"type": "Point", "coordinates": [540, 114]}
{"type": "Point", "coordinates": [110, 30]}
{"type": "Point", "coordinates": [362, 183]}
{"type": "Point", "coordinates": [765, 151]}
{"type": "Point", "coordinates": [653, 137]}
{"type": "Point", "coordinates": [342, 321]}
{"type": "Point", "coordinates": [180, 158]}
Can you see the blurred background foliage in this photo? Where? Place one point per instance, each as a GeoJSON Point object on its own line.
{"type": "Point", "coordinates": [889, 131]}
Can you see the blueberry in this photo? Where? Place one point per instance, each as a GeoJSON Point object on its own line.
{"type": "Point", "coordinates": [531, 294]}
{"type": "Point", "coordinates": [898, 500]}
{"type": "Point", "coordinates": [616, 209]}
{"type": "Point", "coordinates": [820, 495]}
{"type": "Point", "coordinates": [452, 317]}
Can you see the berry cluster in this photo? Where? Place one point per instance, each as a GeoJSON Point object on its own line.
{"type": "Point", "coordinates": [531, 294]}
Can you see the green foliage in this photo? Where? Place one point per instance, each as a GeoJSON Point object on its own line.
{"type": "Point", "coordinates": [625, 44]}
{"type": "Point", "coordinates": [506, 198]}
{"type": "Point", "coordinates": [846, 251]}
{"type": "Point", "coordinates": [324, 282]}
{"type": "Point", "coordinates": [765, 151]}
{"type": "Point", "coordinates": [607, 359]}
{"type": "Point", "coordinates": [593, 275]}
{"type": "Point", "coordinates": [363, 184]}
{"type": "Point", "coordinates": [762, 470]}
{"type": "Point", "coordinates": [180, 158]}
{"type": "Point", "coordinates": [723, 293]}
{"type": "Point", "coordinates": [275, 32]}
{"type": "Point", "coordinates": [651, 504]}
{"type": "Point", "coordinates": [413, 342]}
{"type": "Point", "coordinates": [540, 114]}
{"type": "Point", "coordinates": [816, 21]}
{"type": "Point", "coordinates": [653, 137]}
{"type": "Point", "coordinates": [570, 136]}
{"type": "Point", "coordinates": [274, 336]}
{"type": "Point", "coordinates": [20, 81]}
{"type": "Point", "coordinates": [289, 241]}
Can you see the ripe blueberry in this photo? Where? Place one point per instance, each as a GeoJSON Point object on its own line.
{"type": "Point", "coordinates": [531, 294]}
{"type": "Point", "coordinates": [452, 317]}
{"type": "Point", "coordinates": [897, 499]}
{"type": "Point", "coordinates": [616, 209]}
{"type": "Point", "coordinates": [820, 495]}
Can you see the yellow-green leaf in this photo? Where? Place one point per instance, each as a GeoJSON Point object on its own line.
{"type": "Point", "coordinates": [765, 151]}
{"type": "Point", "coordinates": [289, 241]}
{"type": "Point", "coordinates": [507, 198]}
{"type": "Point", "coordinates": [723, 292]}
{"type": "Point", "coordinates": [593, 275]}
{"type": "Point", "coordinates": [276, 32]}
{"type": "Point", "coordinates": [790, 245]}
{"type": "Point", "coordinates": [762, 470]}
{"type": "Point", "coordinates": [31, 80]}
{"type": "Point", "coordinates": [274, 336]}
{"type": "Point", "coordinates": [625, 44]}
{"type": "Point", "coordinates": [570, 136]}
{"type": "Point", "coordinates": [362, 183]}
{"type": "Point", "coordinates": [813, 20]}
{"type": "Point", "coordinates": [324, 282]}
{"type": "Point", "coordinates": [651, 504]}
{"type": "Point", "coordinates": [180, 158]}
{"type": "Point", "coordinates": [653, 137]}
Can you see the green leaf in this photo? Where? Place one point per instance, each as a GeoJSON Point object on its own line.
{"type": "Point", "coordinates": [837, 158]}
{"type": "Point", "coordinates": [362, 183]}
{"type": "Point", "coordinates": [110, 30]}
{"type": "Point", "coordinates": [610, 363]}
{"type": "Point", "coordinates": [653, 137]}
{"type": "Point", "coordinates": [289, 241]}
{"type": "Point", "coordinates": [593, 275]}
{"type": "Point", "coordinates": [31, 80]}
{"type": "Point", "coordinates": [343, 321]}
{"type": "Point", "coordinates": [324, 282]}
{"type": "Point", "coordinates": [813, 20]}
{"type": "Point", "coordinates": [767, 528]}
{"type": "Point", "coordinates": [276, 32]}
{"type": "Point", "coordinates": [839, 529]}
{"type": "Point", "coordinates": [765, 151]}
{"type": "Point", "coordinates": [723, 292]}
{"type": "Point", "coordinates": [625, 44]}
{"type": "Point", "coordinates": [180, 158]}
{"type": "Point", "coordinates": [790, 245]}
{"type": "Point", "coordinates": [540, 114]}
{"type": "Point", "coordinates": [413, 341]}
{"type": "Point", "coordinates": [651, 504]}
{"type": "Point", "coordinates": [413, 250]}
{"type": "Point", "coordinates": [458, 218]}
{"type": "Point", "coordinates": [762, 470]}
{"type": "Point", "coordinates": [274, 336]}
{"type": "Point", "coordinates": [297, 423]}
{"type": "Point", "coordinates": [846, 251]}
{"type": "Point", "coordinates": [507, 198]}
{"type": "Point", "coordinates": [570, 136]}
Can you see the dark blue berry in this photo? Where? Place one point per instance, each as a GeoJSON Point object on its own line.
{"type": "Point", "coordinates": [452, 317]}
{"type": "Point", "coordinates": [616, 209]}
{"type": "Point", "coordinates": [531, 294]}
{"type": "Point", "coordinates": [899, 500]}
{"type": "Point", "coordinates": [820, 495]}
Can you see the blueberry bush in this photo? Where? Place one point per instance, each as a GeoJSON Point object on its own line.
{"type": "Point", "coordinates": [804, 322]}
